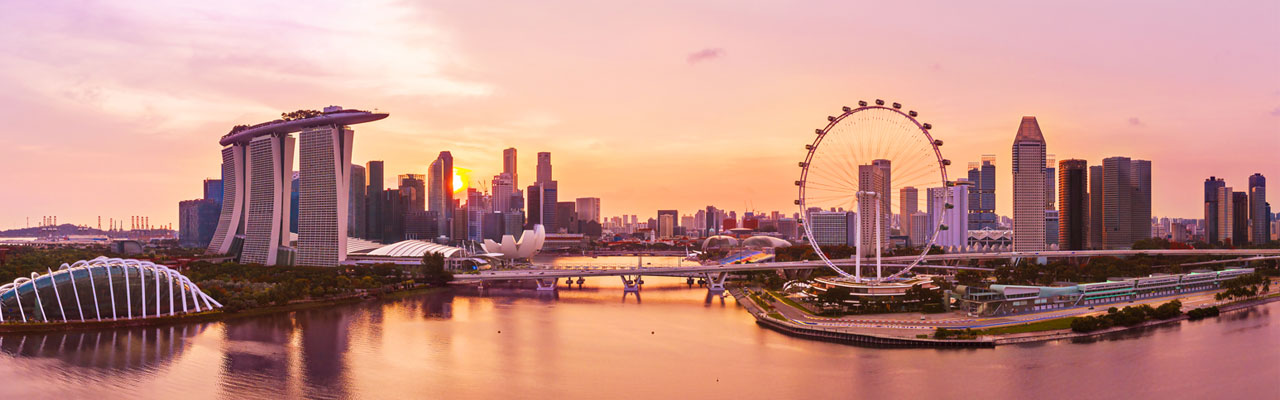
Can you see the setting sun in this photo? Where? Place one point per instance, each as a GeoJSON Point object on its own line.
{"type": "Point", "coordinates": [460, 178]}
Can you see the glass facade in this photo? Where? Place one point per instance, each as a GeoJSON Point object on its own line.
{"type": "Point", "coordinates": [101, 289]}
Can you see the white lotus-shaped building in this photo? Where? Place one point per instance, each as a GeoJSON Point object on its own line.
{"type": "Point", "coordinates": [530, 243]}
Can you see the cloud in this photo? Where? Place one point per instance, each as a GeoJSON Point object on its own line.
{"type": "Point", "coordinates": [706, 54]}
{"type": "Point", "coordinates": [1275, 112]}
{"type": "Point", "coordinates": [1134, 121]}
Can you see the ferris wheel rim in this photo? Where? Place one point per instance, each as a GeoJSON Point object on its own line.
{"type": "Point", "coordinates": [803, 183]}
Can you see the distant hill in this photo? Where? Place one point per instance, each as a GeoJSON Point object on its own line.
{"type": "Point", "coordinates": [61, 230]}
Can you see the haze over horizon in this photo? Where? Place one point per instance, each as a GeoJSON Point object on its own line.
{"type": "Point", "coordinates": [115, 110]}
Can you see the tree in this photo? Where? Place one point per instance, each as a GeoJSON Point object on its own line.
{"type": "Point", "coordinates": [434, 268]}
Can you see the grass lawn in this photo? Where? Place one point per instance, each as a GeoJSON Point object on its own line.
{"type": "Point", "coordinates": [778, 316]}
{"type": "Point", "coordinates": [1047, 325]}
{"type": "Point", "coordinates": [790, 302]}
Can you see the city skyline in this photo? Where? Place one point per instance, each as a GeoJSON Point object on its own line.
{"type": "Point", "coordinates": [454, 92]}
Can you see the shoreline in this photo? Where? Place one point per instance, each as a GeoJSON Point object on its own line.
{"type": "Point", "coordinates": [205, 316]}
{"type": "Point", "coordinates": [764, 319]}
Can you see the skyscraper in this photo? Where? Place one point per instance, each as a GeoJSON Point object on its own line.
{"type": "Point", "coordinates": [567, 216]}
{"type": "Point", "coordinates": [872, 214]}
{"type": "Point", "coordinates": [440, 193]}
{"type": "Point", "coordinates": [257, 170]}
{"type": "Point", "coordinates": [324, 173]}
{"type": "Point", "coordinates": [509, 166]}
{"type": "Point", "coordinates": [1226, 215]}
{"type": "Point", "coordinates": [1073, 205]}
{"type": "Point", "coordinates": [1239, 218]}
{"type": "Point", "coordinates": [886, 190]}
{"type": "Point", "coordinates": [549, 190]}
{"type": "Point", "coordinates": [213, 190]}
{"type": "Point", "coordinates": [1049, 184]}
{"type": "Point", "coordinates": [589, 209]}
{"type": "Point", "coordinates": [373, 202]}
{"type": "Point", "coordinates": [1259, 217]}
{"type": "Point", "coordinates": [1140, 173]}
{"type": "Point", "coordinates": [953, 218]}
{"type": "Point", "coordinates": [356, 217]}
{"type": "Point", "coordinates": [909, 205]}
{"type": "Point", "coordinates": [982, 196]}
{"type": "Point", "coordinates": [1117, 203]}
{"type": "Point", "coordinates": [1096, 185]}
{"type": "Point", "coordinates": [1211, 209]}
{"type": "Point", "coordinates": [667, 220]}
{"type": "Point", "coordinates": [503, 187]}
{"type": "Point", "coordinates": [544, 167]}
{"type": "Point", "coordinates": [1028, 187]}
{"type": "Point", "coordinates": [414, 189]}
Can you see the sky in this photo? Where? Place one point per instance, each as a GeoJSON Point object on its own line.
{"type": "Point", "coordinates": [114, 109]}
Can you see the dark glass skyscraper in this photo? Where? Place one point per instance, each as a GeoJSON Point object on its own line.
{"type": "Point", "coordinates": [440, 192]}
{"type": "Point", "coordinates": [374, 202]}
{"type": "Point", "coordinates": [1211, 187]}
{"type": "Point", "coordinates": [1259, 217]}
{"type": "Point", "coordinates": [982, 195]}
{"type": "Point", "coordinates": [1073, 205]}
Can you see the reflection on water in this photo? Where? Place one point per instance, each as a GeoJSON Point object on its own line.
{"type": "Point", "coordinates": [599, 342]}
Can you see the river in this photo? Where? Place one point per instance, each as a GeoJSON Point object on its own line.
{"type": "Point", "coordinates": [592, 343]}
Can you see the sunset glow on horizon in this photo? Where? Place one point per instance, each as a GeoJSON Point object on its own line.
{"type": "Point", "coordinates": [662, 106]}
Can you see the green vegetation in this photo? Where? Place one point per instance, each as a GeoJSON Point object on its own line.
{"type": "Point", "coordinates": [955, 334]}
{"type": "Point", "coordinates": [1202, 313]}
{"type": "Point", "coordinates": [300, 114]}
{"type": "Point", "coordinates": [836, 301]}
{"type": "Point", "coordinates": [1128, 316]}
{"type": "Point", "coordinates": [778, 316]}
{"type": "Point", "coordinates": [1038, 326]}
{"type": "Point", "coordinates": [788, 301]}
{"type": "Point", "coordinates": [1243, 287]}
{"type": "Point", "coordinates": [21, 261]}
{"type": "Point", "coordinates": [244, 287]}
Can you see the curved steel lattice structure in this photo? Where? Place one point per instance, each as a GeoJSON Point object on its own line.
{"type": "Point", "coordinates": [102, 289]}
{"type": "Point", "coordinates": [862, 161]}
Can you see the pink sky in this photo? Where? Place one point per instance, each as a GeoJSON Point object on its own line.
{"type": "Point", "coordinates": [115, 109]}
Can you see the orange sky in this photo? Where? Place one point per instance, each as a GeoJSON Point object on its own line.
{"type": "Point", "coordinates": [115, 110]}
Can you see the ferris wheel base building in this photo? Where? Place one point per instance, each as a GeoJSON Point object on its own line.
{"type": "Point", "coordinates": [257, 166]}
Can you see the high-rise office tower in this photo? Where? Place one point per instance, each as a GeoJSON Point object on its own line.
{"type": "Point", "coordinates": [509, 166]}
{"type": "Point", "coordinates": [197, 220]}
{"type": "Point", "coordinates": [373, 202]}
{"type": "Point", "coordinates": [213, 190]}
{"type": "Point", "coordinates": [954, 236]}
{"type": "Point", "coordinates": [477, 207]}
{"type": "Point", "coordinates": [324, 173]}
{"type": "Point", "coordinates": [544, 167]}
{"type": "Point", "coordinates": [503, 187]}
{"type": "Point", "coordinates": [549, 192]}
{"type": "Point", "coordinates": [667, 220]}
{"type": "Point", "coordinates": [1239, 218]}
{"type": "Point", "coordinates": [440, 193]}
{"type": "Point", "coordinates": [1049, 183]}
{"type": "Point", "coordinates": [1117, 203]}
{"type": "Point", "coordinates": [713, 221]}
{"type": "Point", "coordinates": [832, 227]}
{"type": "Point", "coordinates": [356, 217]}
{"type": "Point", "coordinates": [567, 216]}
{"type": "Point", "coordinates": [1095, 207]}
{"type": "Point", "coordinates": [1259, 217]}
{"type": "Point", "coordinates": [1073, 205]}
{"type": "Point", "coordinates": [909, 205]}
{"type": "Point", "coordinates": [886, 189]}
{"type": "Point", "coordinates": [231, 217]}
{"type": "Point", "coordinates": [534, 216]}
{"type": "Point", "coordinates": [414, 189]}
{"type": "Point", "coordinates": [871, 180]}
{"type": "Point", "coordinates": [1226, 215]}
{"type": "Point", "coordinates": [1028, 187]}
{"type": "Point", "coordinates": [589, 209]}
{"type": "Point", "coordinates": [1211, 211]}
{"type": "Point", "coordinates": [982, 196]}
{"type": "Point", "coordinates": [1140, 174]}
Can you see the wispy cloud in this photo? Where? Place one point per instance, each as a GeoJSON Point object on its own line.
{"type": "Point", "coordinates": [1134, 121]}
{"type": "Point", "coordinates": [706, 54]}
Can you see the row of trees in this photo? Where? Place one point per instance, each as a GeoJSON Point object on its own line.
{"type": "Point", "coordinates": [1128, 316]}
{"type": "Point", "coordinates": [1243, 287]}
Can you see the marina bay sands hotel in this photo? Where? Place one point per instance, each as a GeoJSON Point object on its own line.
{"type": "Point", "coordinates": [257, 169]}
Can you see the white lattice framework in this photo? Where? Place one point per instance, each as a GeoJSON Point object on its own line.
{"type": "Point", "coordinates": [164, 277]}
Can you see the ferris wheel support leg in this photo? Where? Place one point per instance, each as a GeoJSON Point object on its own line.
{"type": "Point", "coordinates": [857, 249]}
{"type": "Point", "coordinates": [878, 218]}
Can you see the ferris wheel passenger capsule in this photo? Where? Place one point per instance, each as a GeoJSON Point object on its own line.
{"type": "Point", "coordinates": [897, 106]}
{"type": "Point", "coordinates": [928, 126]}
{"type": "Point", "coordinates": [862, 103]}
{"type": "Point", "coordinates": [846, 109]}
{"type": "Point", "coordinates": [912, 113]}
{"type": "Point", "coordinates": [879, 102]}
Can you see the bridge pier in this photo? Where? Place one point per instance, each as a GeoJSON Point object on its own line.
{"type": "Point", "coordinates": [715, 281]}
{"type": "Point", "coordinates": [631, 283]}
{"type": "Point", "coordinates": [546, 284]}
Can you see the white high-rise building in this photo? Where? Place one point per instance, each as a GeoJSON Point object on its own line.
{"type": "Point", "coordinates": [503, 189]}
{"type": "Point", "coordinates": [1029, 187]}
{"type": "Point", "coordinates": [257, 165]}
{"type": "Point", "coordinates": [270, 170]}
{"type": "Point", "coordinates": [954, 218]}
{"type": "Point", "coordinates": [324, 185]}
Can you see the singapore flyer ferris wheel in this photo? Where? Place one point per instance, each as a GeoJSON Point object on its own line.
{"type": "Point", "coordinates": [872, 170]}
